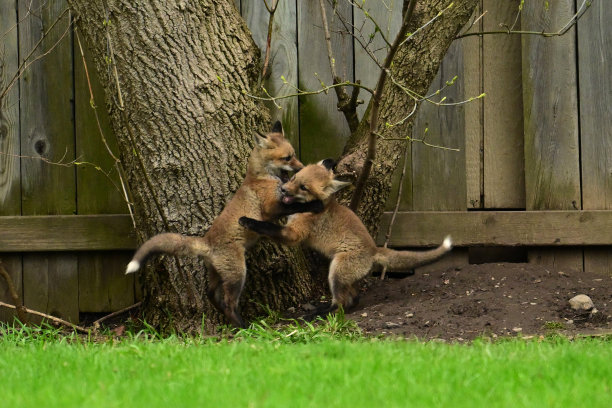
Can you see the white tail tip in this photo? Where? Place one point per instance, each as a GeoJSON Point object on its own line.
{"type": "Point", "coordinates": [132, 267]}
{"type": "Point", "coordinates": [448, 243]}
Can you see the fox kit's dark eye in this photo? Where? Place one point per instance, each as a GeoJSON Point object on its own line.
{"type": "Point", "coordinates": [303, 187]}
{"type": "Point", "coordinates": [287, 158]}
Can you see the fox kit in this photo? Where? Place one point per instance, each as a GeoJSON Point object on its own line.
{"type": "Point", "coordinates": [224, 245]}
{"type": "Point", "coordinates": [337, 233]}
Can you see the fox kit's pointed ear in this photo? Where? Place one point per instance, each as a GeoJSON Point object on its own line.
{"type": "Point", "coordinates": [337, 185]}
{"type": "Point", "coordinates": [261, 140]}
{"type": "Point", "coordinates": [277, 127]}
{"type": "Point", "coordinates": [329, 164]}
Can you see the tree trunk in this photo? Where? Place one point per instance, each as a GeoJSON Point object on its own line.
{"type": "Point", "coordinates": [415, 67]}
{"type": "Point", "coordinates": [173, 74]}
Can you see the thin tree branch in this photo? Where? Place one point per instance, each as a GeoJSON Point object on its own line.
{"type": "Point", "coordinates": [272, 12]}
{"type": "Point", "coordinates": [346, 104]}
{"type": "Point", "coordinates": [374, 108]}
{"type": "Point", "coordinates": [21, 313]}
{"type": "Point", "coordinates": [563, 30]}
{"type": "Point", "coordinates": [397, 204]}
{"type": "Point", "coordinates": [25, 64]}
{"type": "Point", "coordinates": [92, 103]}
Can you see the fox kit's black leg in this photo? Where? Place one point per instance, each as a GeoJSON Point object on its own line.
{"type": "Point", "coordinates": [262, 227]}
{"type": "Point", "coordinates": [315, 206]}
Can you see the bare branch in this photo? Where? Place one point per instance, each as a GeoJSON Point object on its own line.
{"type": "Point", "coordinates": [347, 105]}
{"type": "Point", "coordinates": [25, 64]}
{"type": "Point", "coordinates": [374, 108]}
{"type": "Point", "coordinates": [21, 313]}
{"type": "Point", "coordinates": [271, 11]}
{"type": "Point", "coordinates": [563, 30]}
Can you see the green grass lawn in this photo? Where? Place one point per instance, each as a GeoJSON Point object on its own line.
{"type": "Point", "coordinates": [47, 370]}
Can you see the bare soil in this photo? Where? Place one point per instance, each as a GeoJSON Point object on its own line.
{"type": "Point", "coordinates": [496, 299]}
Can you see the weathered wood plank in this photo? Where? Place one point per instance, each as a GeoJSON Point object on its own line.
{"type": "Point", "coordinates": [10, 189]}
{"type": "Point", "coordinates": [595, 70]}
{"type": "Point", "coordinates": [439, 176]}
{"type": "Point", "coordinates": [283, 59]}
{"type": "Point", "coordinates": [504, 174]}
{"type": "Point", "coordinates": [51, 285]}
{"type": "Point", "coordinates": [323, 130]}
{"type": "Point", "coordinates": [503, 228]}
{"type": "Point", "coordinates": [47, 132]}
{"type": "Point", "coordinates": [388, 16]}
{"type": "Point", "coordinates": [552, 169]}
{"type": "Point", "coordinates": [474, 128]}
{"type": "Point", "coordinates": [10, 194]}
{"type": "Point", "coordinates": [103, 286]}
{"type": "Point", "coordinates": [66, 233]}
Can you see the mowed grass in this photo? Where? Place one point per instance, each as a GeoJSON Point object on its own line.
{"type": "Point", "coordinates": [42, 369]}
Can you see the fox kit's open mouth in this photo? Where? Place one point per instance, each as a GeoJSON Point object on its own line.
{"type": "Point", "coordinates": [288, 199]}
{"type": "Point", "coordinates": [284, 175]}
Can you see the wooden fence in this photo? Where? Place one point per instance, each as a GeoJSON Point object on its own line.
{"type": "Point", "coordinates": [534, 171]}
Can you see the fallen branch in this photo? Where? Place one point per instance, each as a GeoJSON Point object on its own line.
{"type": "Point", "coordinates": [48, 317]}
{"type": "Point", "coordinates": [96, 324]}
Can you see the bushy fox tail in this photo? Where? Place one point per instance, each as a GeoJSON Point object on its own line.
{"type": "Point", "coordinates": [405, 260]}
{"type": "Point", "coordinates": [167, 243]}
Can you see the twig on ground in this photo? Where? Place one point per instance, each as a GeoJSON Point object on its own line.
{"type": "Point", "coordinates": [96, 324]}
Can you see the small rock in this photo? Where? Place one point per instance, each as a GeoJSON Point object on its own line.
{"type": "Point", "coordinates": [391, 325]}
{"type": "Point", "coordinates": [409, 314]}
{"type": "Point", "coordinates": [308, 307]}
{"type": "Point", "coordinates": [517, 329]}
{"type": "Point", "coordinates": [581, 303]}
{"type": "Point", "coordinates": [291, 309]}
{"type": "Point", "coordinates": [364, 314]}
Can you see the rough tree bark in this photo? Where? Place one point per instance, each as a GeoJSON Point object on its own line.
{"type": "Point", "coordinates": [185, 130]}
{"type": "Point", "coordinates": [414, 66]}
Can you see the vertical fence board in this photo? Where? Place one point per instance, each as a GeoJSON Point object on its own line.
{"type": "Point", "coordinates": [283, 59]}
{"type": "Point", "coordinates": [323, 130]}
{"type": "Point", "coordinates": [552, 173]}
{"type": "Point", "coordinates": [474, 130]}
{"type": "Point", "coordinates": [47, 130]}
{"type": "Point", "coordinates": [103, 286]}
{"type": "Point", "coordinates": [10, 192]}
{"type": "Point", "coordinates": [595, 70]}
{"type": "Point", "coordinates": [439, 176]}
{"type": "Point", "coordinates": [388, 16]}
{"type": "Point", "coordinates": [504, 176]}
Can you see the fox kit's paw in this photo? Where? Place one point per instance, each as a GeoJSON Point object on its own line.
{"type": "Point", "coordinates": [247, 222]}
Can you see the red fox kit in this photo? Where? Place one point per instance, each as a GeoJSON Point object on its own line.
{"type": "Point", "coordinates": [337, 233]}
{"type": "Point", "coordinates": [224, 244]}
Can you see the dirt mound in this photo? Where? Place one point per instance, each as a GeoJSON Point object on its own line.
{"type": "Point", "coordinates": [498, 299]}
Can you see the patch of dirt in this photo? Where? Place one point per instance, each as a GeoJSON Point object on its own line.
{"type": "Point", "coordinates": [497, 299]}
